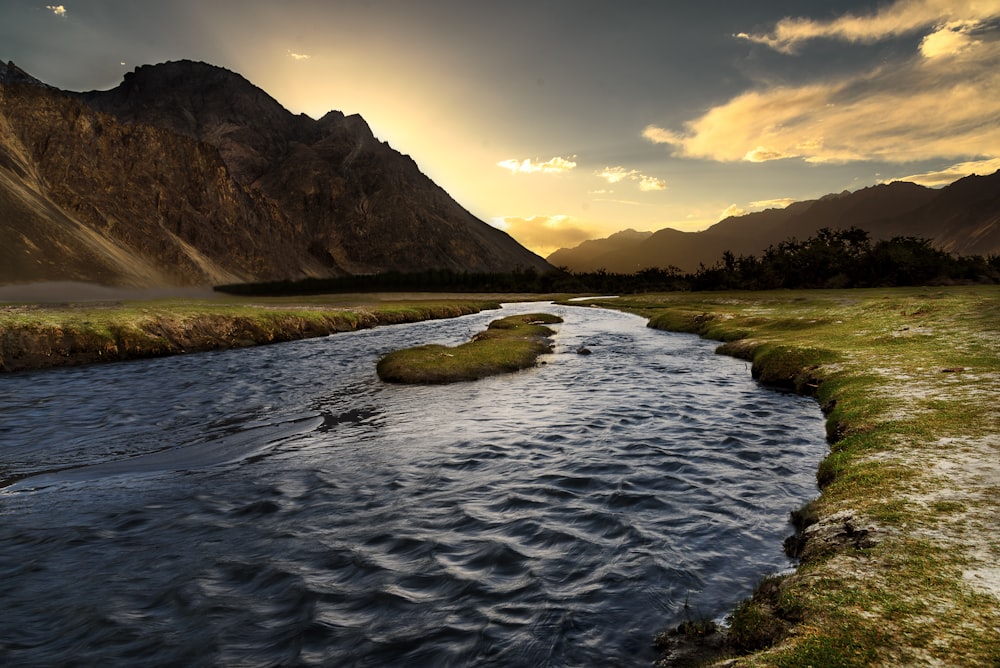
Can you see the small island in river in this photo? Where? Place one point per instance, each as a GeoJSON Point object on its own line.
{"type": "Point", "coordinates": [509, 344]}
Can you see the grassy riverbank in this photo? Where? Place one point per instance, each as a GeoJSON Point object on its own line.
{"type": "Point", "coordinates": [508, 344]}
{"type": "Point", "coordinates": [39, 336]}
{"type": "Point", "coordinates": [900, 551]}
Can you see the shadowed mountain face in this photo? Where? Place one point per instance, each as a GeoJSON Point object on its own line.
{"type": "Point", "coordinates": [963, 218]}
{"type": "Point", "coordinates": [188, 174]}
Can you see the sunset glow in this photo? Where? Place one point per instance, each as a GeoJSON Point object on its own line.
{"type": "Point", "coordinates": [568, 124]}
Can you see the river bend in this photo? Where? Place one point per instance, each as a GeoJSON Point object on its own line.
{"type": "Point", "coordinates": [282, 506]}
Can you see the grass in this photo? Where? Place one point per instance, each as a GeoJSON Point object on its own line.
{"type": "Point", "coordinates": [38, 336]}
{"type": "Point", "coordinates": [901, 546]}
{"type": "Point", "coordinates": [509, 344]}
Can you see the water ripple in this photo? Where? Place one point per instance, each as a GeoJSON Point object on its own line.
{"type": "Point", "coordinates": [281, 506]}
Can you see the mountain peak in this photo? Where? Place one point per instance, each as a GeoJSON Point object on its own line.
{"type": "Point", "coordinates": [208, 103]}
{"type": "Point", "coordinates": [189, 173]}
{"type": "Point", "coordinates": [188, 95]}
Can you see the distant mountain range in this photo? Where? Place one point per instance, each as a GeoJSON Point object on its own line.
{"type": "Point", "coordinates": [188, 174]}
{"type": "Point", "coordinates": [962, 218]}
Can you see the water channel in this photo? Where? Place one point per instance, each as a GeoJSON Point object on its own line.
{"type": "Point", "coordinates": [282, 506]}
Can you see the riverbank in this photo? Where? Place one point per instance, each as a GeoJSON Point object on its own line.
{"type": "Point", "coordinates": [899, 553]}
{"type": "Point", "coordinates": [46, 335]}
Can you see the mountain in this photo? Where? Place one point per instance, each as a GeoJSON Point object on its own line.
{"type": "Point", "coordinates": [592, 250]}
{"type": "Point", "coordinates": [188, 174]}
{"type": "Point", "coordinates": [962, 218]}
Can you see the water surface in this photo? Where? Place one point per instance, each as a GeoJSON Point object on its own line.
{"type": "Point", "coordinates": [282, 506]}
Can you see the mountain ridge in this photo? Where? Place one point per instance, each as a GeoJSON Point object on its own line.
{"type": "Point", "coordinates": [962, 218]}
{"type": "Point", "coordinates": [188, 174]}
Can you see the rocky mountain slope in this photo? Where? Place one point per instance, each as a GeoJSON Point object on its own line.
{"type": "Point", "coordinates": [962, 218]}
{"type": "Point", "coordinates": [188, 174]}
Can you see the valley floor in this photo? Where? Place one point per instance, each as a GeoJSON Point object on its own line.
{"type": "Point", "coordinates": [900, 550]}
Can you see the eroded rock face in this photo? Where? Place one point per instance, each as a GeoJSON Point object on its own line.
{"type": "Point", "coordinates": [87, 198]}
{"type": "Point", "coordinates": [187, 174]}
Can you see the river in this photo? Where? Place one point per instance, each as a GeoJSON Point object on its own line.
{"type": "Point", "coordinates": [282, 506]}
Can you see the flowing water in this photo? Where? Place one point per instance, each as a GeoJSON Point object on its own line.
{"type": "Point", "coordinates": [282, 506]}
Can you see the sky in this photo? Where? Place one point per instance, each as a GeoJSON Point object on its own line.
{"type": "Point", "coordinates": [564, 120]}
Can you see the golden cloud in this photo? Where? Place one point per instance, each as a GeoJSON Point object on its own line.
{"type": "Point", "coordinates": [528, 166]}
{"type": "Point", "coordinates": [930, 107]}
{"type": "Point", "coordinates": [949, 40]}
{"type": "Point", "coordinates": [661, 136]}
{"type": "Point", "coordinates": [58, 10]}
{"type": "Point", "coordinates": [736, 210]}
{"type": "Point", "coordinates": [899, 18]}
{"type": "Point", "coordinates": [651, 183]}
{"type": "Point", "coordinates": [778, 203]}
{"type": "Point", "coordinates": [942, 103]}
{"type": "Point", "coordinates": [764, 154]}
{"type": "Point", "coordinates": [618, 174]}
{"type": "Point", "coordinates": [951, 174]}
{"type": "Point", "coordinates": [732, 210]}
{"type": "Point", "coordinates": [546, 234]}
{"type": "Point", "coordinates": [298, 56]}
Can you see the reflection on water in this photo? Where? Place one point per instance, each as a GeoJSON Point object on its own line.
{"type": "Point", "coordinates": [280, 505]}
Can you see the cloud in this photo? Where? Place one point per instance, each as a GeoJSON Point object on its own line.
{"type": "Point", "coordinates": [893, 20]}
{"type": "Point", "coordinates": [661, 136]}
{"type": "Point", "coordinates": [618, 174]}
{"type": "Point", "coordinates": [732, 210]}
{"type": "Point", "coordinates": [759, 205]}
{"type": "Point", "coordinates": [528, 166]}
{"type": "Point", "coordinates": [651, 183]}
{"type": "Point", "coordinates": [298, 56]}
{"type": "Point", "coordinates": [779, 203]}
{"type": "Point", "coordinates": [951, 39]}
{"type": "Point", "coordinates": [942, 103]}
{"type": "Point", "coordinates": [951, 174]}
{"type": "Point", "coordinates": [546, 234]}
{"type": "Point", "coordinates": [764, 154]}
{"type": "Point", "coordinates": [58, 10]}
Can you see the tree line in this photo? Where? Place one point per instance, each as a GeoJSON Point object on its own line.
{"type": "Point", "coordinates": [830, 259]}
